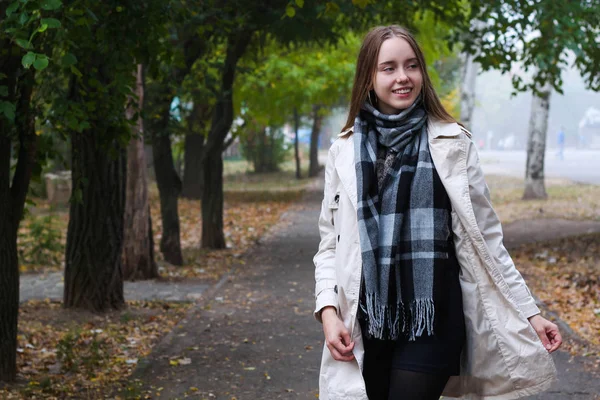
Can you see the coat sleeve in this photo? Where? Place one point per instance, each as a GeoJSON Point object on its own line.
{"type": "Point", "coordinates": [491, 230]}
{"type": "Point", "coordinates": [324, 260]}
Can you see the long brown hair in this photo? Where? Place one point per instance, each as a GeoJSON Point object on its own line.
{"type": "Point", "coordinates": [366, 65]}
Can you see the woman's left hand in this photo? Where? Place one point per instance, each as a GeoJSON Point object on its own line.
{"type": "Point", "coordinates": [547, 331]}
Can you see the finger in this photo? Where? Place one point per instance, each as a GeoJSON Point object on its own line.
{"type": "Point", "coordinates": [346, 350]}
{"type": "Point", "coordinates": [337, 356]}
{"type": "Point", "coordinates": [342, 348]}
{"type": "Point", "coordinates": [556, 341]}
{"type": "Point", "coordinates": [345, 337]}
{"type": "Point", "coordinates": [544, 338]}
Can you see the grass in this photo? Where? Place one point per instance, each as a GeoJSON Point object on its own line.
{"type": "Point", "coordinates": [238, 176]}
{"type": "Point", "coordinates": [566, 200]}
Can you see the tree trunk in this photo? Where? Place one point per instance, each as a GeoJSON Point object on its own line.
{"type": "Point", "coordinates": [467, 89]}
{"type": "Point", "coordinates": [9, 269]}
{"type": "Point", "coordinates": [297, 144]}
{"type": "Point", "coordinates": [169, 188]}
{"type": "Point", "coordinates": [158, 100]}
{"type": "Point", "coordinates": [536, 145]}
{"type": "Point", "coordinates": [12, 203]}
{"type": "Point", "coordinates": [212, 202]}
{"type": "Point", "coordinates": [9, 266]}
{"type": "Point", "coordinates": [313, 169]}
{"type": "Point", "coordinates": [93, 269]}
{"type": "Point", "coordinates": [192, 170]}
{"type": "Point", "coordinates": [193, 177]}
{"type": "Point", "coordinates": [138, 252]}
{"type": "Point", "coordinates": [9, 281]}
{"type": "Point", "coordinates": [212, 196]}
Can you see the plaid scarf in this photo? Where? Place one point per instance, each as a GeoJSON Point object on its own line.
{"type": "Point", "coordinates": [403, 230]}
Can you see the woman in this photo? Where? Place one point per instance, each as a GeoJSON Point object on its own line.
{"type": "Point", "coordinates": [415, 290]}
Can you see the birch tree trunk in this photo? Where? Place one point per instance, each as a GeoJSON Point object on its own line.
{"type": "Point", "coordinates": [536, 145]}
{"type": "Point", "coordinates": [467, 89]}
{"type": "Point", "coordinates": [138, 252]}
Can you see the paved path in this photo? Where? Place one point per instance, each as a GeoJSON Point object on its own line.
{"type": "Point", "coordinates": [255, 338]}
{"type": "Point", "coordinates": [50, 286]}
{"type": "Point", "coordinates": [578, 165]}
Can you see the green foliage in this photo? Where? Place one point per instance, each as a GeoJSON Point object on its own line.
{"type": "Point", "coordinates": [41, 242]}
{"type": "Point", "coordinates": [433, 37]}
{"type": "Point", "coordinates": [296, 77]}
{"type": "Point", "coordinates": [24, 20]}
{"type": "Point", "coordinates": [546, 36]}
{"type": "Point", "coordinates": [23, 31]}
{"type": "Point", "coordinates": [97, 52]}
{"type": "Point", "coordinates": [8, 109]}
{"type": "Point", "coordinates": [263, 146]}
{"type": "Point", "coordinates": [81, 353]}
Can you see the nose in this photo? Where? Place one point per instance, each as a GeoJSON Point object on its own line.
{"type": "Point", "coordinates": [401, 77]}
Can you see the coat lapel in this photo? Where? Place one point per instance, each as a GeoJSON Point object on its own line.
{"type": "Point", "coordinates": [450, 159]}
{"type": "Point", "coordinates": [344, 166]}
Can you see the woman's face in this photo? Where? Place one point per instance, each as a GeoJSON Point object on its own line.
{"type": "Point", "coordinates": [398, 78]}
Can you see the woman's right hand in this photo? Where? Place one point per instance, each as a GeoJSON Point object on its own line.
{"type": "Point", "coordinates": [337, 336]}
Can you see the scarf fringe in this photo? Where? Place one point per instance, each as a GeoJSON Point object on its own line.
{"type": "Point", "coordinates": [386, 322]}
{"type": "Point", "coordinates": [423, 314]}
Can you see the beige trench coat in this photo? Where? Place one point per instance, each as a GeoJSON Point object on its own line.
{"type": "Point", "coordinates": [503, 357]}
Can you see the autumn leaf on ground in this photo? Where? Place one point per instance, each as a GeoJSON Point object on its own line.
{"type": "Point", "coordinates": [565, 275]}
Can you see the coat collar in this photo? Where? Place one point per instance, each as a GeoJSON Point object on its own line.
{"type": "Point", "coordinates": [344, 162]}
{"type": "Point", "coordinates": [435, 129]}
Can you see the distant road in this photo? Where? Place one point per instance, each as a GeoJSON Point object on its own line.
{"type": "Point", "coordinates": [578, 165]}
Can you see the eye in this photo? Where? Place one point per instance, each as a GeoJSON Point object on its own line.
{"type": "Point", "coordinates": [388, 69]}
{"type": "Point", "coordinates": [413, 66]}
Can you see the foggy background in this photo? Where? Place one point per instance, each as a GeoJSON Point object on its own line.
{"type": "Point", "coordinates": [498, 112]}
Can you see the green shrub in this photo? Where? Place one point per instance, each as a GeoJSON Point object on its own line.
{"type": "Point", "coordinates": [264, 147]}
{"type": "Point", "coordinates": [77, 352]}
{"type": "Point", "coordinates": [41, 242]}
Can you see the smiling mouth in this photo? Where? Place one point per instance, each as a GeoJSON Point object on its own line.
{"type": "Point", "coordinates": [402, 91]}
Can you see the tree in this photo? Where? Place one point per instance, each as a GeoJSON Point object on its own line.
{"type": "Point", "coordinates": [90, 111]}
{"type": "Point", "coordinates": [536, 144]}
{"type": "Point", "coordinates": [24, 32]}
{"type": "Point", "coordinates": [186, 41]}
{"type": "Point", "coordinates": [520, 35]}
{"type": "Point", "coordinates": [138, 245]}
{"type": "Point", "coordinates": [467, 91]}
{"type": "Point", "coordinates": [197, 121]}
{"type": "Point", "coordinates": [299, 80]}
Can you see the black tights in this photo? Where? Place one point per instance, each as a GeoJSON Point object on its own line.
{"type": "Point", "coordinates": [405, 385]}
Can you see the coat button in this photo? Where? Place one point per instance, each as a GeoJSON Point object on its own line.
{"type": "Point", "coordinates": [335, 289]}
{"type": "Point", "coordinates": [338, 238]}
